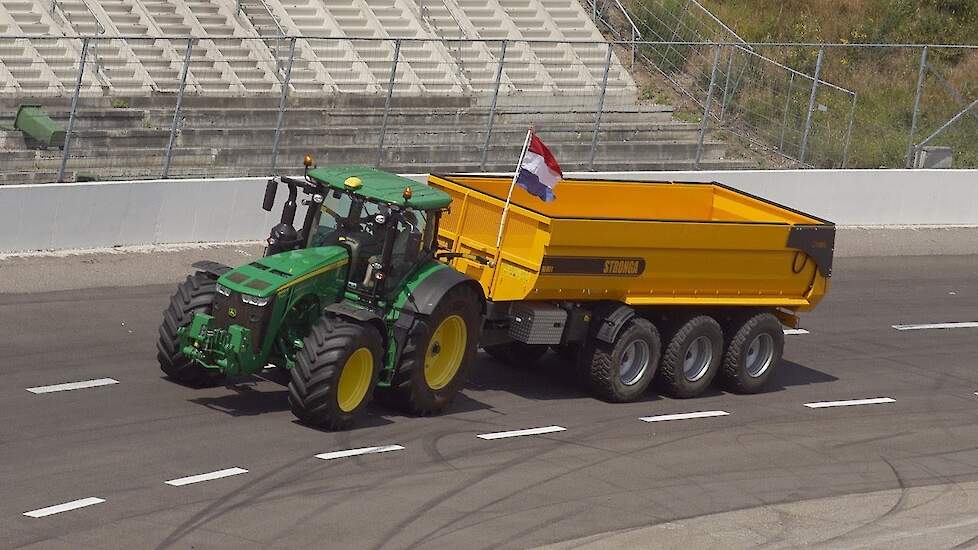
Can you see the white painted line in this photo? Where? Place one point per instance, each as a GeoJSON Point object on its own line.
{"type": "Point", "coordinates": [206, 477]}
{"type": "Point", "coordinates": [57, 509]}
{"type": "Point", "coordinates": [936, 326]}
{"type": "Point", "coordinates": [793, 331]}
{"type": "Point", "coordinates": [358, 452]}
{"type": "Point", "coordinates": [683, 416]}
{"type": "Point", "coordinates": [873, 401]}
{"type": "Point", "coordinates": [74, 385]}
{"type": "Point", "coordinates": [518, 433]}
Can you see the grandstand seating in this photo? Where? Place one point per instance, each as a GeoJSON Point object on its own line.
{"type": "Point", "coordinates": [228, 60]}
{"type": "Point", "coordinates": [339, 79]}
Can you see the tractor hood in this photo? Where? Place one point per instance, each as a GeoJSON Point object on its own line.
{"type": "Point", "coordinates": [273, 274]}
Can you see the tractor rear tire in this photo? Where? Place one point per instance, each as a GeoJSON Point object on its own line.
{"type": "Point", "coordinates": [517, 354]}
{"type": "Point", "coordinates": [692, 358]}
{"type": "Point", "coordinates": [753, 351]}
{"type": "Point", "coordinates": [438, 353]}
{"type": "Point", "coordinates": [194, 295]}
{"type": "Point", "coordinates": [622, 371]}
{"type": "Point", "coordinates": [335, 373]}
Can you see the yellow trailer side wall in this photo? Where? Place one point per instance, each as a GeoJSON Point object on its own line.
{"type": "Point", "coordinates": [685, 262]}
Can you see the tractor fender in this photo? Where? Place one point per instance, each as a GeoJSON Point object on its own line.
{"type": "Point", "coordinates": [214, 268]}
{"type": "Point", "coordinates": [608, 320]}
{"type": "Point", "coordinates": [359, 314]}
{"type": "Point", "coordinates": [425, 297]}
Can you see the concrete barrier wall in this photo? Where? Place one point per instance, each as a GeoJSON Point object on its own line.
{"type": "Point", "coordinates": [106, 214]}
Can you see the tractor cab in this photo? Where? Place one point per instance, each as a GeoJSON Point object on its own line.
{"type": "Point", "coordinates": [386, 223]}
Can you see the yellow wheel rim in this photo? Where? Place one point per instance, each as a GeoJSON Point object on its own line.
{"type": "Point", "coordinates": [445, 352]}
{"type": "Point", "coordinates": [355, 380]}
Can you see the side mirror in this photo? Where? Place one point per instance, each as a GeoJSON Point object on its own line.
{"type": "Point", "coordinates": [270, 188]}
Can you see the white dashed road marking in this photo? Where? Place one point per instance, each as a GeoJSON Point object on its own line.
{"type": "Point", "coordinates": [357, 452]}
{"type": "Point", "coordinates": [683, 416]}
{"type": "Point", "coordinates": [937, 326]}
{"type": "Point", "coordinates": [74, 385]}
{"type": "Point", "coordinates": [206, 477]}
{"type": "Point", "coordinates": [518, 433]}
{"type": "Point", "coordinates": [793, 331]}
{"type": "Point", "coordinates": [58, 508]}
{"type": "Point", "coordinates": [873, 401]}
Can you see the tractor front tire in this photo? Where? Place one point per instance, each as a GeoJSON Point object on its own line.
{"type": "Point", "coordinates": [194, 295]}
{"type": "Point", "coordinates": [437, 355]}
{"type": "Point", "coordinates": [335, 373]}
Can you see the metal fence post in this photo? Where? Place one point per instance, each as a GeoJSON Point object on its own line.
{"type": "Point", "coordinates": [784, 116]}
{"type": "Point", "coordinates": [492, 108]}
{"type": "Point", "coordinates": [283, 105]}
{"type": "Point", "coordinates": [916, 105]}
{"type": "Point", "coordinates": [176, 113]}
{"type": "Point", "coordinates": [387, 103]}
{"type": "Point", "coordinates": [597, 115]}
{"type": "Point", "coordinates": [74, 107]}
{"type": "Point", "coordinates": [237, 8]}
{"type": "Point", "coordinates": [634, 38]}
{"type": "Point", "coordinates": [726, 85]}
{"type": "Point", "coordinates": [811, 105]}
{"type": "Point", "coordinates": [852, 118]}
{"type": "Point", "coordinates": [706, 109]}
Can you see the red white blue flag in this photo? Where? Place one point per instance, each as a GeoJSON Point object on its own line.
{"type": "Point", "coordinates": [539, 171]}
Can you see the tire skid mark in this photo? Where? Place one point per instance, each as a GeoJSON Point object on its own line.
{"type": "Point", "coordinates": [615, 455]}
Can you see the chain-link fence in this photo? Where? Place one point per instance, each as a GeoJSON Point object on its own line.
{"type": "Point", "coordinates": [139, 107]}
{"type": "Point", "coordinates": [806, 105]}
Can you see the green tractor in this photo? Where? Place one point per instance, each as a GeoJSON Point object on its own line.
{"type": "Point", "coordinates": [356, 299]}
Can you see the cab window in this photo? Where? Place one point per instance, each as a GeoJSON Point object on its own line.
{"type": "Point", "coordinates": [408, 243]}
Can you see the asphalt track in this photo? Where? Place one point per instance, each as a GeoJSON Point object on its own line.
{"type": "Point", "coordinates": [770, 473]}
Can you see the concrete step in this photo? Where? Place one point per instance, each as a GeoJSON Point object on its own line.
{"type": "Point", "coordinates": [571, 156]}
{"type": "Point", "coordinates": [139, 162]}
{"type": "Point", "coordinates": [461, 134]}
{"type": "Point", "coordinates": [258, 118]}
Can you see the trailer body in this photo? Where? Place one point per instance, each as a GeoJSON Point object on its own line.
{"type": "Point", "coordinates": [639, 243]}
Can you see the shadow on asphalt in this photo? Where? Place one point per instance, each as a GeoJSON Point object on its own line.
{"type": "Point", "coordinates": [790, 373]}
{"type": "Point", "coordinates": [551, 378]}
{"type": "Point", "coordinates": [244, 398]}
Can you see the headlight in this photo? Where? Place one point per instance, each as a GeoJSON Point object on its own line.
{"type": "Point", "coordinates": [254, 300]}
{"type": "Point", "coordinates": [379, 219]}
{"type": "Point", "coordinates": [223, 290]}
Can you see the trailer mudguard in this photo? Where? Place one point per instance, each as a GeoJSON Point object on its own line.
{"type": "Point", "coordinates": [609, 318]}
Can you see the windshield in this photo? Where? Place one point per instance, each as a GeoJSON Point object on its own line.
{"type": "Point", "coordinates": [332, 211]}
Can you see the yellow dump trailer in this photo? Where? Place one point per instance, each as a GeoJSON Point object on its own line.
{"type": "Point", "coordinates": [669, 258]}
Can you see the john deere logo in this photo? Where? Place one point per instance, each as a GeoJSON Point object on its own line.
{"type": "Point", "coordinates": [232, 312]}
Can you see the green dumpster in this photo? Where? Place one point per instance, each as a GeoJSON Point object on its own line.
{"type": "Point", "coordinates": [33, 121]}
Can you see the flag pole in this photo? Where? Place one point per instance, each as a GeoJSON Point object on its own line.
{"type": "Point", "coordinates": [509, 196]}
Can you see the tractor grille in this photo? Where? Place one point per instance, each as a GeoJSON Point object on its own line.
{"type": "Point", "coordinates": [253, 318]}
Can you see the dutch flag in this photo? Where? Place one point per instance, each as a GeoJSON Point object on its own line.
{"type": "Point", "coordinates": [539, 171]}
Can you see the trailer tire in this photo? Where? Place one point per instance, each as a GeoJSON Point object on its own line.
{"type": "Point", "coordinates": [753, 350]}
{"type": "Point", "coordinates": [335, 373]}
{"type": "Point", "coordinates": [425, 383]}
{"type": "Point", "coordinates": [692, 358]}
{"type": "Point", "coordinates": [516, 354]}
{"type": "Point", "coordinates": [194, 295]}
{"type": "Point", "coordinates": [622, 371]}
